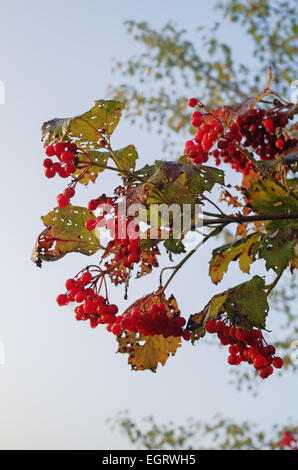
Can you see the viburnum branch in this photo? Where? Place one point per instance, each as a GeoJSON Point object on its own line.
{"type": "Point", "coordinates": [176, 268]}
{"type": "Point", "coordinates": [240, 219]}
{"type": "Point", "coordinates": [271, 286]}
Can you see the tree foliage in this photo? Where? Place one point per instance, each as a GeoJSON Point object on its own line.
{"type": "Point", "coordinates": [248, 126]}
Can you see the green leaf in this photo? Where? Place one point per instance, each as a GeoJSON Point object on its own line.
{"type": "Point", "coordinates": [174, 246]}
{"type": "Point", "coordinates": [87, 129]}
{"type": "Point", "coordinates": [222, 256]}
{"type": "Point", "coordinates": [65, 233]}
{"type": "Point", "coordinates": [92, 173]}
{"type": "Point", "coordinates": [267, 196]}
{"type": "Point", "coordinates": [126, 157]}
{"type": "Point", "coordinates": [278, 248]}
{"type": "Point", "coordinates": [181, 183]}
{"type": "Point", "coordinates": [249, 302]}
{"type": "Point", "coordinates": [245, 304]}
{"type": "Point", "coordinates": [197, 322]}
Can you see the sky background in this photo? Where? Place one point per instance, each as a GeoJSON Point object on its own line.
{"type": "Point", "coordinates": [61, 379]}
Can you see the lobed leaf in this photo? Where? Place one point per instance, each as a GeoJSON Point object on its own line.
{"type": "Point", "coordinates": [147, 352]}
{"type": "Point", "coordinates": [65, 233]}
{"type": "Point", "coordinates": [245, 304]}
{"type": "Point", "coordinates": [87, 129]}
{"type": "Point", "coordinates": [222, 256]}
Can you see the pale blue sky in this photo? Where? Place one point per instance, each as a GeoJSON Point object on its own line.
{"type": "Point", "coordinates": [62, 379]}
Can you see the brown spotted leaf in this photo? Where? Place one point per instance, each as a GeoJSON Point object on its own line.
{"type": "Point", "coordinates": [65, 233]}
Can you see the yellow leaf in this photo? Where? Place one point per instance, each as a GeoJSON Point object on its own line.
{"type": "Point", "coordinates": [146, 352]}
{"type": "Point", "coordinates": [224, 255]}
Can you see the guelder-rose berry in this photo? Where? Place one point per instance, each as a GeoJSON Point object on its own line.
{"type": "Point", "coordinates": [277, 362]}
{"type": "Point", "coordinates": [192, 102]}
{"type": "Point", "coordinates": [50, 151]}
{"type": "Point", "coordinates": [90, 224]}
{"type": "Point", "coordinates": [66, 156]}
{"type": "Point", "coordinates": [62, 300]}
{"type": "Point", "coordinates": [62, 200]}
{"type": "Point", "coordinates": [59, 148]}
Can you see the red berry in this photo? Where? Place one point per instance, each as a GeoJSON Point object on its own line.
{"type": "Point", "coordinates": [62, 200]}
{"type": "Point", "coordinates": [86, 278]}
{"type": "Point", "coordinates": [186, 335]}
{"type": "Point", "coordinates": [69, 192]}
{"type": "Point", "coordinates": [269, 125]}
{"type": "Point", "coordinates": [49, 172]}
{"type": "Point", "coordinates": [277, 362]}
{"type": "Point", "coordinates": [47, 163]}
{"type": "Point", "coordinates": [59, 148]}
{"type": "Point", "coordinates": [70, 283]}
{"type": "Point", "coordinates": [116, 329]}
{"type": "Point", "coordinates": [50, 151]}
{"type": "Point", "coordinates": [80, 296]}
{"type": "Point", "coordinates": [279, 144]}
{"type": "Point", "coordinates": [210, 326]}
{"type": "Point", "coordinates": [241, 335]}
{"type": "Point", "coordinates": [62, 300]}
{"type": "Point", "coordinates": [70, 168]}
{"type": "Point", "coordinates": [263, 372]}
{"type": "Point", "coordinates": [93, 204]}
{"type": "Point", "coordinates": [66, 156]}
{"type": "Point", "coordinates": [192, 102]}
{"type": "Point", "coordinates": [90, 224]}
{"type": "Point", "coordinates": [220, 326]}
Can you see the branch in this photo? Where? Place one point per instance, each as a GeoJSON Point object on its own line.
{"type": "Point", "coordinates": [240, 219]}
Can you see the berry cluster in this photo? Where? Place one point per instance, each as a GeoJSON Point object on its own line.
{"type": "Point", "coordinates": [205, 137]}
{"type": "Point", "coordinates": [149, 322]}
{"type": "Point", "coordinates": [260, 130]}
{"type": "Point", "coordinates": [124, 232]}
{"type": "Point", "coordinates": [92, 306]}
{"type": "Point", "coordinates": [66, 166]}
{"type": "Point", "coordinates": [65, 152]}
{"type": "Point", "coordinates": [246, 346]}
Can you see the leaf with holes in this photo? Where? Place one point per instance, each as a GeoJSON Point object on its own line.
{"type": "Point", "coordinates": [126, 157]}
{"type": "Point", "coordinates": [247, 304]}
{"type": "Point", "coordinates": [98, 158]}
{"type": "Point", "coordinates": [87, 129]}
{"type": "Point", "coordinates": [65, 233]}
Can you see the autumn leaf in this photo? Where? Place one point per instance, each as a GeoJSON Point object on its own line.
{"type": "Point", "coordinates": [147, 352]}
{"type": "Point", "coordinates": [197, 322]}
{"type": "Point", "coordinates": [222, 256]}
{"type": "Point", "coordinates": [267, 196]}
{"type": "Point", "coordinates": [65, 233]}
{"type": "Point", "coordinates": [245, 304]}
{"type": "Point", "coordinates": [227, 115]}
{"type": "Point", "coordinates": [92, 173]}
{"type": "Point", "coordinates": [87, 129]}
